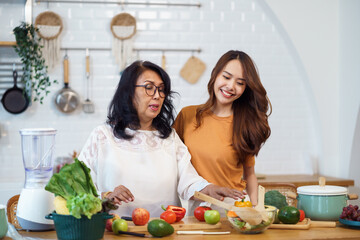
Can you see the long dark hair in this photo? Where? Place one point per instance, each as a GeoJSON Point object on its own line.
{"type": "Point", "coordinates": [251, 111]}
{"type": "Point", "coordinates": [122, 113]}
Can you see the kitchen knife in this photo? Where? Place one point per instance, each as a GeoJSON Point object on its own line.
{"type": "Point", "coordinates": [126, 218]}
{"type": "Point", "coordinates": [201, 232]}
{"type": "Point", "coordinates": [137, 234]}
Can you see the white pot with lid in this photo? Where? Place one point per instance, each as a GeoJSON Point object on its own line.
{"type": "Point", "coordinates": [323, 202]}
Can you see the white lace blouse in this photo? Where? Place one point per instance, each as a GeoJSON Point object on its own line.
{"type": "Point", "coordinates": [157, 171]}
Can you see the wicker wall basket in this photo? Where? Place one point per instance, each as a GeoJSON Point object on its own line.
{"type": "Point", "coordinates": [52, 22]}
{"type": "Point", "coordinates": [123, 26]}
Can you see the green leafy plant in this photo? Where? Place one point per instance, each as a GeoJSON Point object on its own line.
{"type": "Point", "coordinates": [34, 69]}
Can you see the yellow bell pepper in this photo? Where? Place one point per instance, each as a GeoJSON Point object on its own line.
{"type": "Point", "coordinates": [242, 203]}
{"type": "Point", "coordinates": [60, 206]}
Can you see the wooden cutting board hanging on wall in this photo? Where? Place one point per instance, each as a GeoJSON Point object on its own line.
{"type": "Point", "coordinates": [193, 69]}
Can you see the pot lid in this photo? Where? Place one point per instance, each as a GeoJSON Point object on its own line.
{"type": "Point", "coordinates": [322, 190]}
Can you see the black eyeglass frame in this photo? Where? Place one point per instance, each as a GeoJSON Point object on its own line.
{"type": "Point", "coordinates": [161, 93]}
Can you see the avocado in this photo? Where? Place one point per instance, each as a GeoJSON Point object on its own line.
{"type": "Point", "coordinates": [289, 215]}
{"type": "Point", "coordinates": [159, 228]}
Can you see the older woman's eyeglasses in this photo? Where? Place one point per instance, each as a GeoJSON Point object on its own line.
{"type": "Point", "coordinates": [150, 89]}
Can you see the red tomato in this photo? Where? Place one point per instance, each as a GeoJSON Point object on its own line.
{"type": "Point", "coordinates": [168, 216]}
{"type": "Point", "coordinates": [140, 216]}
{"type": "Point", "coordinates": [199, 213]}
{"type": "Point", "coordinates": [302, 215]}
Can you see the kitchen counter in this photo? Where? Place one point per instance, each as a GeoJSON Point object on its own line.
{"type": "Point", "coordinates": [340, 232]}
{"type": "Point", "coordinates": [302, 180]}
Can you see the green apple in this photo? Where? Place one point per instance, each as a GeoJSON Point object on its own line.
{"type": "Point", "coordinates": [212, 216]}
{"type": "Point", "coordinates": [119, 225]}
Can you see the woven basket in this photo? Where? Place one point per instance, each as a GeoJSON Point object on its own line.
{"type": "Point", "coordinates": [11, 208]}
{"type": "Point", "coordinates": [50, 19]}
{"type": "Point", "coordinates": [123, 20]}
{"type": "Point", "coordinates": [283, 188]}
{"type": "Point", "coordinates": [70, 228]}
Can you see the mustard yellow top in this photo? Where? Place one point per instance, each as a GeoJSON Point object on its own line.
{"type": "Point", "coordinates": [210, 146]}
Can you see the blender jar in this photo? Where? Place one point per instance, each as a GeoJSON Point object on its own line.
{"type": "Point", "coordinates": [37, 150]}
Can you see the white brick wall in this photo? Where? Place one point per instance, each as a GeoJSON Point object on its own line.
{"type": "Point", "coordinates": [216, 27]}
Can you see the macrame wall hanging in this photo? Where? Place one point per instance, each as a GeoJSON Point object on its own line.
{"type": "Point", "coordinates": [123, 27]}
{"type": "Point", "coordinates": [50, 27]}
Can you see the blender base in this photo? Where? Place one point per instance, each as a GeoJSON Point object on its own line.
{"type": "Point", "coordinates": [34, 226]}
{"type": "Point", "coordinates": [33, 206]}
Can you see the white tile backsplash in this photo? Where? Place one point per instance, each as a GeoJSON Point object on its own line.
{"type": "Point", "coordinates": [215, 27]}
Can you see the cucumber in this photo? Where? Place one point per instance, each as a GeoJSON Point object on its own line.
{"type": "Point", "coordinates": [159, 228]}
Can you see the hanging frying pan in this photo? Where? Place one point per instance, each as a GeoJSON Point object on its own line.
{"type": "Point", "coordinates": [66, 99]}
{"type": "Point", "coordinates": [15, 99]}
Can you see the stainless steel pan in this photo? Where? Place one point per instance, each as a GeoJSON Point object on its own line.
{"type": "Point", "coordinates": [66, 99]}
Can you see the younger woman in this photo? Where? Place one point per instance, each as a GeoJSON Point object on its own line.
{"type": "Point", "coordinates": [226, 133]}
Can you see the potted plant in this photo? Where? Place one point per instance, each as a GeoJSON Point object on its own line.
{"type": "Point", "coordinates": [34, 69]}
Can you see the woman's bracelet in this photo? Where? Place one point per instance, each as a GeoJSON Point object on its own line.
{"type": "Point", "coordinates": [107, 193]}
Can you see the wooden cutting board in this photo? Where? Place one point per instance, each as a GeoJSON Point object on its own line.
{"type": "Point", "coordinates": [193, 69]}
{"type": "Point", "coordinates": [305, 224]}
{"type": "Point", "coordinates": [188, 223]}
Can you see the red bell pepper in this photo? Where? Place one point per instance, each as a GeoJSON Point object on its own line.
{"type": "Point", "coordinates": [179, 211]}
{"type": "Point", "coordinates": [168, 216]}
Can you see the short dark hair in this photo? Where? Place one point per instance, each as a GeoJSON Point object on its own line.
{"type": "Point", "coordinates": [121, 111]}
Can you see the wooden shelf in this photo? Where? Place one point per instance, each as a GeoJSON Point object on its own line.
{"type": "Point", "coordinates": [7, 44]}
{"type": "Point", "coordinates": [301, 180]}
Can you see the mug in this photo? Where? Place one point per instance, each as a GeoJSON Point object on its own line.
{"type": "Point", "coordinates": [3, 222]}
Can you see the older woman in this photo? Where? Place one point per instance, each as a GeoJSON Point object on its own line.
{"type": "Point", "coordinates": [136, 157]}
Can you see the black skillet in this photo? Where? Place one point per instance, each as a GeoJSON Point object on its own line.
{"type": "Point", "coordinates": [15, 99]}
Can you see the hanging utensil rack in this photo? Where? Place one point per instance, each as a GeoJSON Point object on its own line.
{"type": "Point", "coordinates": [198, 50]}
{"type": "Point", "coordinates": [124, 3]}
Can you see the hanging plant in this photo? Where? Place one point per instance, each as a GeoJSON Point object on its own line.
{"type": "Point", "coordinates": [34, 69]}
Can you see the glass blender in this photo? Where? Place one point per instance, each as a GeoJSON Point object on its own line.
{"type": "Point", "coordinates": [35, 202]}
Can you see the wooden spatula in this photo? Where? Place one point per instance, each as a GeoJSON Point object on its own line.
{"type": "Point", "coordinates": [248, 214]}
{"type": "Point", "coordinates": [260, 204]}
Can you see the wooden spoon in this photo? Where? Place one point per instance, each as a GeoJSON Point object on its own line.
{"type": "Point", "coordinates": [248, 214]}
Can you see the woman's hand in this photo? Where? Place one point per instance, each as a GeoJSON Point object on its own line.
{"type": "Point", "coordinates": [221, 192]}
{"type": "Point", "coordinates": [121, 194]}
